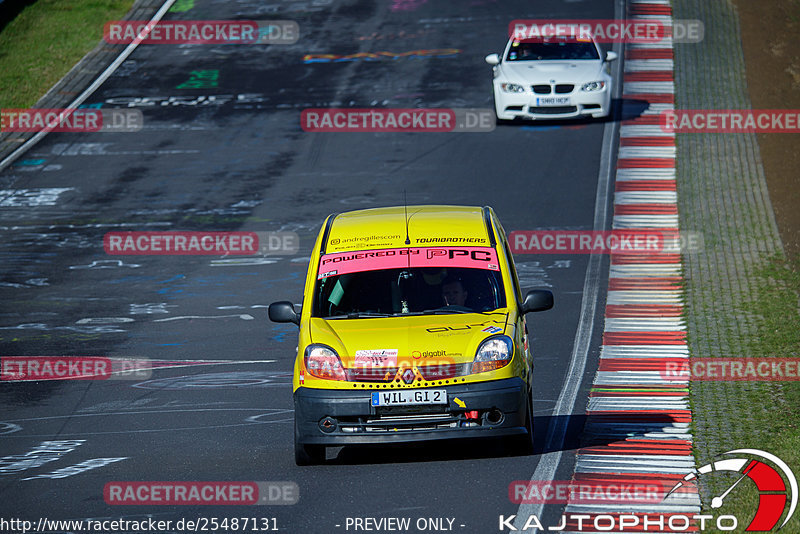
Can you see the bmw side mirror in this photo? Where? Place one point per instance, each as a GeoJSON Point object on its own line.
{"type": "Point", "coordinates": [492, 59]}
{"type": "Point", "coordinates": [611, 56]}
{"type": "Point", "coordinates": [537, 300]}
{"type": "Point", "coordinates": [283, 312]}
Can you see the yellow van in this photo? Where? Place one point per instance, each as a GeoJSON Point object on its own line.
{"type": "Point", "coordinates": [412, 328]}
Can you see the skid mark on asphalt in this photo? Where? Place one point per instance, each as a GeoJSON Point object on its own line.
{"type": "Point", "coordinates": [150, 308]}
{"type": "Point", "coordinates": [102, 149]}
{"type": "Point", "coordinates": [9, 428]}
{"type": "Point", "coordinates": [123, 367]}
{"type": "Point", "coordinates": [265, 416]}
{"type": "Point", "coordinates": [244, 317]}
{"type": "Point", "coordinates": [232, 380]}
{"type": "Point", "coordinates": [82, 467]}
{"type": "Point", "coordinates": [31, 198]}
{"type": "Point", "coordinates": [241, 262]}
{"type": "Point", "coordinates": [79, 329]}
{"type": "Point", "coordinates": [106, 264]}
{"type": "Point", "coordinates": [41, 454]}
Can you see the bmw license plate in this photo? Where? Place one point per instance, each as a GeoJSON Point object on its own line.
{"type": "Point", "coordinates": [553, 101]}
{"type": "Point", "coordinates": [409, 397]}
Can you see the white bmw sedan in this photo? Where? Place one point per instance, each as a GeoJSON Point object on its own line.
{"type": "Point", "coordinates": [551, 78]}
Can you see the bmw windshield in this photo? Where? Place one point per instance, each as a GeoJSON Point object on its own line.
{"type": "Point", "coordinates": [552, 50]}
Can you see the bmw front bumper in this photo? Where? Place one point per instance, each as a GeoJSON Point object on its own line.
{"type": "Point", "coordinates": [527, 105]}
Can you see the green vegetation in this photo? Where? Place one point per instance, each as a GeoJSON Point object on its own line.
{"type": "Point", "coordinates": [45, 40]}
{"type": "Point", "coordinates": [776, 305]}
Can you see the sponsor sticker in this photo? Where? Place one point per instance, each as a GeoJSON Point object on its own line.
{"type": "Point", "coordinates": [376, 358]}
{"type": "Point", "coordinates": [353, 262]}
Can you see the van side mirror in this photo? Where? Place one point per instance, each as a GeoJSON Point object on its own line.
{"type": "Point", "coordinates": [537, 300]}
{"type": "Point", "coordinates": [283, 312]}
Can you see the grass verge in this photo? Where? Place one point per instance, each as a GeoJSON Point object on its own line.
{"type": "Point", "coordinates": [776, 303]}
{"type": "Point", "coordinates": [43, 42]}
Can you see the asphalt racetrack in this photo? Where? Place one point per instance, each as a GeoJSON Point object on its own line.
{"type": "Point", "coordinates": [222, 150]}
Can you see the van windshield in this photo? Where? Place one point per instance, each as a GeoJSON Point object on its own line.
{"type": "Point", "coordinates": [414, 281]}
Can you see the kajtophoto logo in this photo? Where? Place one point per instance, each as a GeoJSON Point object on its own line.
{"type": "Point", "coordinates": [774, 480]}
{"type": "Point", "coordinates": [771, 484]}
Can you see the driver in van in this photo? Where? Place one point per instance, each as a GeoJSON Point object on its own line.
{"type": "Point", "coordinates": [453, 292]}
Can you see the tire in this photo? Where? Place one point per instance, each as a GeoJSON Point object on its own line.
{"type": "Point", "coordinates": [524, 445]}
{"type": "Point", "coordinates": [497, 120]}
{"type": "Point", "coordinates": [307, 454]}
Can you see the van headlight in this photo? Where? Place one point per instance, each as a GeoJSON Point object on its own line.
{"type": "Point", "coordinates": [493, 353]}
{"type": "Point", "coordinates": [322, 361]}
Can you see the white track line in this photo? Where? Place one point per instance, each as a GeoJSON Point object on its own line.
{"type": "Point", "coordinates": [556, 432]}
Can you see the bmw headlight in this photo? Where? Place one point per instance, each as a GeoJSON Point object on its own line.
{"type": "Point", "coordinates": [593, 86]}
{"type": "Point", "coordinates": [493, 353]}
{"type": "Point", "coordinates": [512, 88]}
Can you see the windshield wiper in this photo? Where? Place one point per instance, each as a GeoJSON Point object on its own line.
{"type": "Point", "coordinates": [445, 311]}
{"type": "Point", "coordinates": [358, 315]}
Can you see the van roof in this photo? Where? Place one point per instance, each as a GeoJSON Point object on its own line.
{"type": "Point", "coordinates": [428, 226]}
